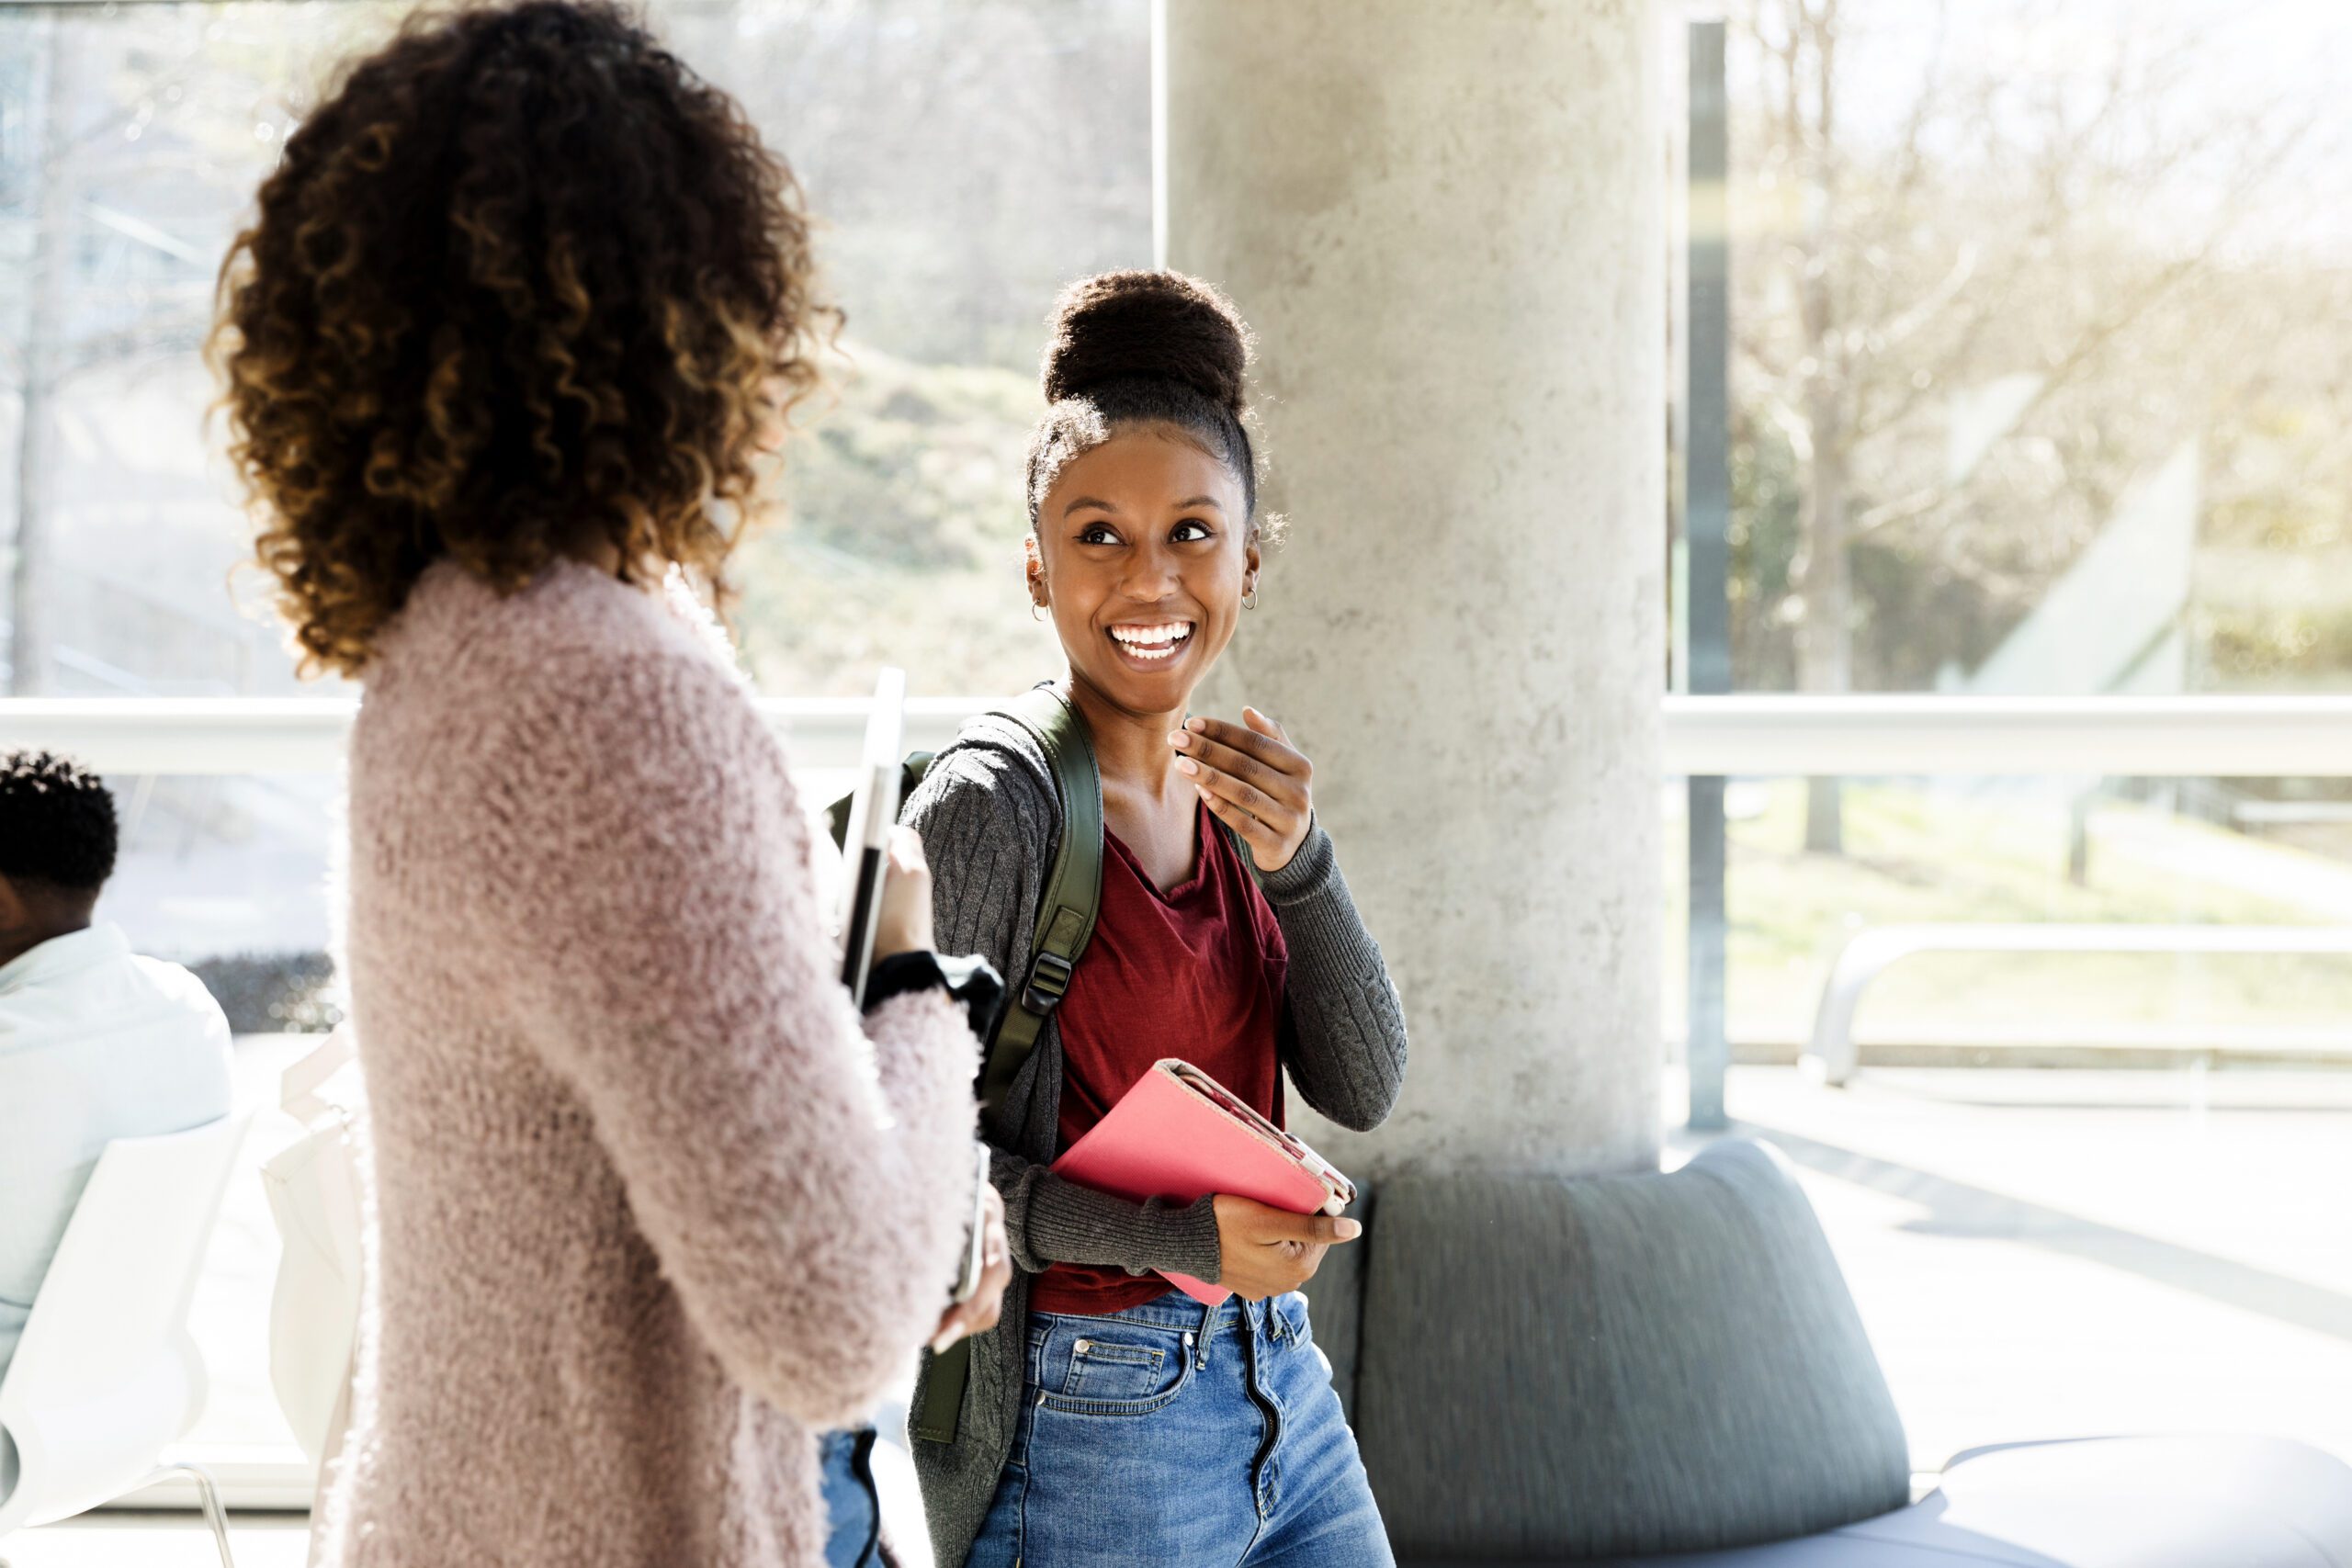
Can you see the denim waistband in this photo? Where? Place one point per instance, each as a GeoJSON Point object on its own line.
{"type": "Point", "coordinates": [1177, 1310]}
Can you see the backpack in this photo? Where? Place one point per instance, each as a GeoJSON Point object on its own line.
{"type": "Point", "coordinates": [1066, 910]}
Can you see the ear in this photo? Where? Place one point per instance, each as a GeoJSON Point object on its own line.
{"type": "Point", "coordinates": [1034, 563]}
{"type": "Point", "coordinates": [1252, 559]}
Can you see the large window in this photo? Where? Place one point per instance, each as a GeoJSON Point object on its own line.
{"type": "Point", "coordinates": [2033, 367]}
{"type": "Point", "coordinates": [966, 158]}
{"type": "Point", "coordinates": [2038, 333]}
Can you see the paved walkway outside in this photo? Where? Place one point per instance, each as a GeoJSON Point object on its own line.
{"type": "Point", "coordinates": [2047, 1254]}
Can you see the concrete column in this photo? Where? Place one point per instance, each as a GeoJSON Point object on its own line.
{"type": "Point", "coordinates": [1443, 218]}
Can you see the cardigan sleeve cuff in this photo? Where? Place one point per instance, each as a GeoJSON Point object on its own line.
{"type": "Point", "coordinates": [1309, 870]}
{"type": "Point", "coordinates": [1194, 1246]}
{"type": "Point", "coordinates": [1064, 1223]}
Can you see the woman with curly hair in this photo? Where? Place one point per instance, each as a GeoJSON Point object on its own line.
{"type": "Point", "coordinates": [653, 1209]}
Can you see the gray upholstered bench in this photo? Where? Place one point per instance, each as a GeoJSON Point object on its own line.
{"type": "Point", "coordinates": [1668, 1368]}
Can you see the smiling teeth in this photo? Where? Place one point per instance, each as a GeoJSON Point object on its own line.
{"type": "Point", "coordinates": [1152, 642]}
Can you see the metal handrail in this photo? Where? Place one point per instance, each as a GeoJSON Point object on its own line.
{"type": "Point", "coordinates": [1757, 736]}
{"type": "Point", "coordinates": [1836, 1054]}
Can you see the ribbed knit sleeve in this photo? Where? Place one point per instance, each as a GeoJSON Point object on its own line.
{"type": "Point", "coordinates": [1345, 1047]}
{"type": "Point", "coordinates": [990, 825]}
{"type": "Point", "coordinates": [801, 1173]}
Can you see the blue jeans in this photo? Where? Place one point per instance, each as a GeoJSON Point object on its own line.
{"type": "Point", "coordinates": [848, 1479]}
{"type": "Point", "coordinates": [1173, 1433]}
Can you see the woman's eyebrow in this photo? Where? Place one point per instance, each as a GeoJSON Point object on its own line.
{"type": "Point", "coordinates": [1208, 501]}
{"type": "Point", "coordinates": [1086, 501]}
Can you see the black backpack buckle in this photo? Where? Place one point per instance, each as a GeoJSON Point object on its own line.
{"type": "Point", "coordinates": [1048, 983]}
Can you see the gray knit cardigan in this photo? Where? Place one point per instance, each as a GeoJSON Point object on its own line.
{"type": "Point", "coordinates": [989, 820]}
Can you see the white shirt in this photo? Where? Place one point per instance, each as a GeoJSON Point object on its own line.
{"type": "Point", "coordinates": [96, 1043]}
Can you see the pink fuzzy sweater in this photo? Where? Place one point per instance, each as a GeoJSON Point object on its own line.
{"type": "Point", "coordinates": [650, 1208]}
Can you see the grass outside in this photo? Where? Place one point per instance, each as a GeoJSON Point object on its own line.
{"type": "Point", "coordinates": [1998, 852]}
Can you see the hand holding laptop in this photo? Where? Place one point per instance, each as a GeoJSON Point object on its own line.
{"type": "Point", "coordinates": [1180, 1135]}
{"type": "Point", "coordinates": [903, 924]}
{"type": "Point", "coordinates": [1268, 1251]}
{"type": "Point", "coordinates": [977, 1313]}
{"type": "Point", "coordinates": [886, 910]}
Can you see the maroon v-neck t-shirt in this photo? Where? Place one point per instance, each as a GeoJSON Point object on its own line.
{"type": "Point", "coordinates": [1196, 972]}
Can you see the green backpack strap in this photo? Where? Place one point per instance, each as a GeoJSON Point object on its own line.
{"type": "Point", "coordinates": [1066, 911]}
{"type": "Point", "coordinates": [1072, 891]}
{"type": "Point", "coordinates": [1073, 888]}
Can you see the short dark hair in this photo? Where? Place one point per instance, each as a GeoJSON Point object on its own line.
{"type": "Point", "coordinates": [57, 823]}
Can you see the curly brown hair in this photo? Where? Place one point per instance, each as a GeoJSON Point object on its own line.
{"type": "Point", "coordinates": [524, 286]}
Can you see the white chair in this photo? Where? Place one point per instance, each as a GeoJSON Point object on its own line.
{"type": "Point", "coordinates": [106, 1376]}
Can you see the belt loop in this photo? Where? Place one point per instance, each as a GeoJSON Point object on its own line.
{"type": "Point", "coordinates": [1201, 1337]}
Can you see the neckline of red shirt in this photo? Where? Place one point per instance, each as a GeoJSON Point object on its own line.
{"type": "Point", "coordinates": [1202, 841]}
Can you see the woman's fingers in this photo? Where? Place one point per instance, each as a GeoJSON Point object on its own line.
{"type": "Point", "coordinates": [956, 1325]}
{"type": "Point", "coordinates": [1263, 1250]}
{"type": "Point", "coordinates": [1254, 778]}
{"type": "Point", "coordinates": [1273, 830]}
{"type": "Point", "coordinates": [1273, 752]}
{"type": "Point", "coordinates": [993, 1284]}
{"type": "Point", "coordinates": [904, 922]}
{"type": "Point", "coordinates": [1314, 1230]}
{"type": "Point", "coordinates": [1209, 756]}
{"type": "Point", "coordinates": [1261, 839]}
{"type": "Point", "coordinates": [980, 1314]}
{"type": "Point", "coordinates": [1265, 724]}
{"type": "Point", "coordinates": [1236, 789]}
{"type": "Point", "coordinates": [1269, 828]}
{"type": "Point", "coordinates": [906, 850]}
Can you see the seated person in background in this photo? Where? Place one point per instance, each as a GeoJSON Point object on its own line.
{"type": "Point", "coordinates": [95, 1042]}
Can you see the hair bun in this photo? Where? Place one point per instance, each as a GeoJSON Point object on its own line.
{"type": "Point", "coordinates": [1121, 325]}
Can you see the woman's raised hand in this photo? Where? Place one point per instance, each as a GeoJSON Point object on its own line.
{"type": "Point", "coordinates": [904, 923]}
{"type": "Point", "coordinates": [1254, 778]}
{"type": "Point", "coordinates": [1265, 1251]}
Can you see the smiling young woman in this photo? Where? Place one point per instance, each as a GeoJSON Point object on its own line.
{"type": "Point", "coordinates": [1109, 1419]}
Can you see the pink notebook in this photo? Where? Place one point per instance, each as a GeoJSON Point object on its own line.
{"type": "Point", "coordinates": [1180, 1134]}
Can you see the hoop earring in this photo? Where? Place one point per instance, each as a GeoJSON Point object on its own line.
{"type": "Point", "coordinates": [1250, 600]}
{"type": "Point", "coordinates": [1036, 612]}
